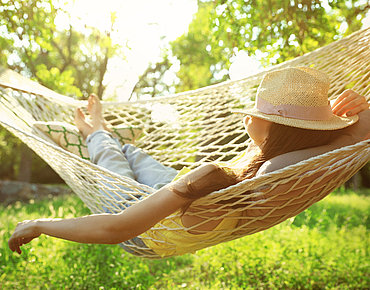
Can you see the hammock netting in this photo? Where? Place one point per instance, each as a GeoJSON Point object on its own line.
{"type": "Point", "coordinates": [201, 129]}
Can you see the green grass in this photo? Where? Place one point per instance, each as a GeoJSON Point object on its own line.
{"type": "Point", "coordinates": [327, 246]}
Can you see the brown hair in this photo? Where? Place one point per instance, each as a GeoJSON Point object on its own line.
{"type": "Point", "coordinates": [283, 139]}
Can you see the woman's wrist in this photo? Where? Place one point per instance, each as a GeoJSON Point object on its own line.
{"type": "Point", "coordinates": [41, 225]}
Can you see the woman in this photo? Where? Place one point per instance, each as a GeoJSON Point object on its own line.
{"type": "Point", "coordinates": [291, 121]}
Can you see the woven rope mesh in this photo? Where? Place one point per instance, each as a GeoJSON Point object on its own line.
{"type": "Point", "coordinates": [199, 128]}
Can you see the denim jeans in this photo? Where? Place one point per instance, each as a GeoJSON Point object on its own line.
{"type": "Point", "coordinates": [131, 162]}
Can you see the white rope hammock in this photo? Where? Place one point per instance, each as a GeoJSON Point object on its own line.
{"type": "Point", "coordinates": [201, 129]}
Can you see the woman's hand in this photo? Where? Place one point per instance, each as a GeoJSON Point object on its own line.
{"type": "Point", "coordinates": [349, 103]}
{"type": "Point", "coordinates": [24, 233]}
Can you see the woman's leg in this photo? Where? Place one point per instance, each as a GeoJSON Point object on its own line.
{"type": "Point", "coordinates": [147, 170]}
{"type": "Point", "coordinates": [106, 152]}
{"type": "Point", "coordinates": [129, 161]}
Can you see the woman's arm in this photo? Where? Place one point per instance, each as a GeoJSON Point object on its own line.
{"type": "Point", "coordinates": [102, 228]}
{"type": "Point", "coordinates": [114, 228]}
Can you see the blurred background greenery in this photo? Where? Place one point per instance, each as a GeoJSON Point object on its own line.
{"type": "Point", "coordinates": [39, 39]}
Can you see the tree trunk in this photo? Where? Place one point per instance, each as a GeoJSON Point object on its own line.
{"type": "Point", "coordinates": [25, 166]}
{"type": "Point", "coordinates": [365, 176]}
{"type": "Point", "coordinates": [102, 71]}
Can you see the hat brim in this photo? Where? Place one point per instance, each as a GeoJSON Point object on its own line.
{"type": "Point", "coordinates": [334, 123]}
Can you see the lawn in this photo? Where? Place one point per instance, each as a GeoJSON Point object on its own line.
{"type": "Point", "coordinates": [327, 246]}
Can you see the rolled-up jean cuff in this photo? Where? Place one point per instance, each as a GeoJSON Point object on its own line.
{"type": "Point", "coordinates": [91, 136]}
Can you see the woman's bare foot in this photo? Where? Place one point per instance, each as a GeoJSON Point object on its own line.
{"type": "Point", "coordinates": [97, 121]}
{"type": "Point", "coordinates": [96, 113]}
{"type": "Point", "coordinates": [82, 125]}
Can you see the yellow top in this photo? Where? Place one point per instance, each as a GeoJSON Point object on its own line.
{"type": "Point", "coordinates": [170, 236]}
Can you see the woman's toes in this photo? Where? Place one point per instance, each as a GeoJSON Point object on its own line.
{"type": "Point", "coordinates": [90, 103]}
{"type": "Point", "coordinates": [79, 114]}
{"type": "Point", "coordinates": [95, 98]}
{"type": "Point", "coordinates": [79, 117]}
{"type": "Point", "coordinates": [95, 108]}
{"type": "Point", "coordinates": [81, 124]}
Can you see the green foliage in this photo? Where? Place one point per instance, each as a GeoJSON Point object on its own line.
{"type": "Point", "coordinates": [10, 157]}
{"type": "Point", "coordinates": [9, 160]}
{"type": "Point", "coordinates": [60, 81]}
{"type": "Point", "coordinates": [274, 31]}
{"type": "Point", "coordinates": [199, 64]}
{"type": "Point", "coordinates": [69, 61]}
{"type": "Point", "coordinates": [326, 246]}
{"type": "Point", "coordinates": [152, 83]}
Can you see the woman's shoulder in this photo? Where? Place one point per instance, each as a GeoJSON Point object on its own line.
{"type": "Point", "coordinates": [291, 158]}
{"type": "Point", "coordinates": [351, 135]}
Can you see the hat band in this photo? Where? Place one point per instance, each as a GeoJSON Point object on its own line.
{"type": "Point", "coordinates": [321, 113]}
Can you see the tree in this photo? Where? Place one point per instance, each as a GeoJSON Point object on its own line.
{"type": "Point", "coordinates": [69, 61]}
{"type": "Point", "coordinates": [152, 82]}
{"type": "Point", "coordinates": [201, 64]}
{"type": "Point", "coordinates": [273, 30]}
{"type": "Point", "coordinates": [199, 67]}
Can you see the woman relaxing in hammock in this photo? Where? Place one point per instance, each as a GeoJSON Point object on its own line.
{"type": "Point", "coordinates": [291, 121]}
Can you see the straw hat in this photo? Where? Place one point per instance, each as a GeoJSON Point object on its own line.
{"type": "Point", "coordinates": [297, 97]}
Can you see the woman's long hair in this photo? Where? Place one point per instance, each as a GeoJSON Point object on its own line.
{"type": "Point", "coordinates": [282, 139]}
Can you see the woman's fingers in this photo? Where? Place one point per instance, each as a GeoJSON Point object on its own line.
{"type": "Point", "coordinates": [345, 98]}
{"type": "Point", "coordinates": [349, 103]}
{"type": "Point", "coordinates": [341, 97]}
{"type": "Point", "coordinates": [14, 244]}
{"type": "Point", "coordinates": [352, 107]}
{"type": "Point", "coordinates": [23, 234]}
